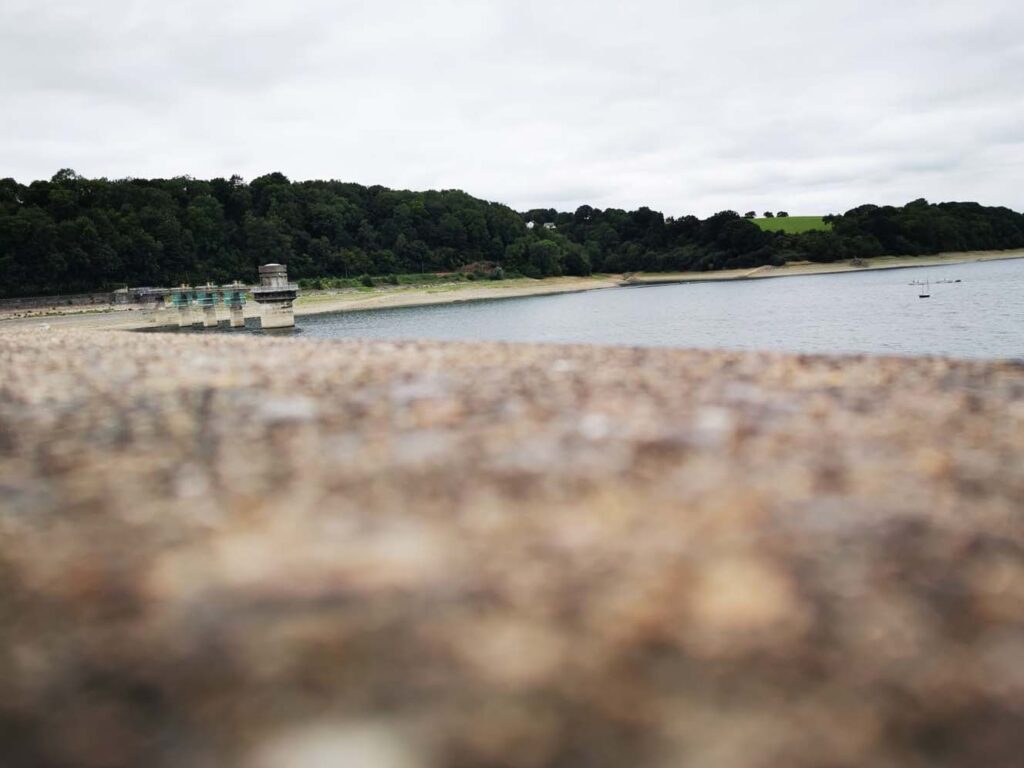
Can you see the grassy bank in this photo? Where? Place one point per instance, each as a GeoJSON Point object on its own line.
{"type": "Point", "coordinates": [793, 225]}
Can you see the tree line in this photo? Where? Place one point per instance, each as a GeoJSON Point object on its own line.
{"type": "Point", "coordinates": [72, 234]}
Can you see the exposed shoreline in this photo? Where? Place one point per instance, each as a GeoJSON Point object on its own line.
{"type": "Point", "coordinates": [414, 296]}
{"type": "Point", "coordinates": [316, 305]}
{"type": "Point", "coordinates": [805, 268]}
{"type": "Point", "coordinates": [453, 293]}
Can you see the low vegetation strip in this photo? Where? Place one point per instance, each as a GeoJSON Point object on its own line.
{"type": "Point", "coordinates": [249, 551]}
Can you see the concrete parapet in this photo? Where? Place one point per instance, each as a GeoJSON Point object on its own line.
{"type": "Point", "coordinates": [662, 557]}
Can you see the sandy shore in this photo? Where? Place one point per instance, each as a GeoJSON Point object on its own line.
{"type": "Point", "coordinates": [384, 297]}
{"type": "Point", "coordinates": [223, 550]}
{"type": "Point", "coordinates": [450, 294]}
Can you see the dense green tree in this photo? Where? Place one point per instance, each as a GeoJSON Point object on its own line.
{"type": "Point", "coordinates": [71, 234]}
{"type": "Point", "coordinates": [267, 240]}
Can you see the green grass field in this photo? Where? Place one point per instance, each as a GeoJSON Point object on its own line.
{"type": "Point", "coordinates": [792, 225]}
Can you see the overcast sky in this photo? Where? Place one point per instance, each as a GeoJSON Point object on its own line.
{"type": "Point", "coordinates": [812, 106]}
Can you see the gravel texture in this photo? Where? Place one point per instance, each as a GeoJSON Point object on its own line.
{"type": "Point", "coordinates": [269, 552]}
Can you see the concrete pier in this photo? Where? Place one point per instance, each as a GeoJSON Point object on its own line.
{"type": "Point", "coordinates": [275, 295]}
{"type": "Point", "coordinates": [162, 317]}
{"type": "Point", "coordinates": [210, 316]}
{"type": "Point", "coordinates": [206, 297]}
{"type": "Point", "coordinates": [181, 300]}
{"type": "Point", "coordinates": [234, 298]}
{"type": "Point", "coordinates": [156, 307]}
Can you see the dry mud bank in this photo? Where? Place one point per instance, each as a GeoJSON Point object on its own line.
{"type": "Point", "coordinates": [269, 552]}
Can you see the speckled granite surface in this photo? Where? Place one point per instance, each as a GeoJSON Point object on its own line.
{"type": "Point", "coordinates": [273, 552]}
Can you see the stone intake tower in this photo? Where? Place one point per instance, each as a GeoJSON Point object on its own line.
{"type": "Point", "coordinates": [275, 294]}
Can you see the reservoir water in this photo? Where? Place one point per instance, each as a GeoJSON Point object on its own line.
{"type": "Point", "coordinates": [873, 312]}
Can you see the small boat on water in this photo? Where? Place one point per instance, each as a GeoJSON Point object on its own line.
{"type": "Point", "coordinates": [925, 291]}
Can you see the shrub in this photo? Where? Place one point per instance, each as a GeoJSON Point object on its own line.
{"type": "Point", "coordinates": [366, 281]}
{"type": "Point", "coordinates": [391, 279]}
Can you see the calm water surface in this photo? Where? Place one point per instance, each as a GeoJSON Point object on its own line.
{"type": "Point", "coordinates": [876, 312]}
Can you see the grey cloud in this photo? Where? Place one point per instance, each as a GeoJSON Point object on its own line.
{"type": "Point", "coordinates": [683, 106]}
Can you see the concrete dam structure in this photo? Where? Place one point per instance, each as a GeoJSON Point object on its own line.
{"type": "Point", "coordinates": [188, 306]}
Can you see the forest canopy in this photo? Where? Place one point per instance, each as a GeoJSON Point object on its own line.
{"type": "Point", "coordinates": [72, 234]}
